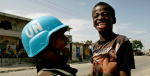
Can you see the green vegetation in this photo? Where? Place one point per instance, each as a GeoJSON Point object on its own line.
{"type": "Point", "coordinates": [136, 44]}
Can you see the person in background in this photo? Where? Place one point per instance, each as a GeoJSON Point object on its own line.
{"type": "Point", "coordinates": [17, 49]}
{"type": "Point", "coordinates": [9, 50]}
{"type": "Point", "coordinates": [1, 53]}
{"type": "Point", "coordinates": [80, 58]}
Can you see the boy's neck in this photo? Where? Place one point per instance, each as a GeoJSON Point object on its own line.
{"type": "Point", "coordinates": [104, 36]}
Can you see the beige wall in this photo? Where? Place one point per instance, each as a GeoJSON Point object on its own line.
{"type": "Point", "coordinates": [74, 45]}
{"type": "Point", "coordinates": [70, 40]}
{"type": "Point", "coordinates": [74, 52]}
{"type": "Point", "coordinates": [20, 23]}
{"type": "Point", "coordinates": [17, 26]}
{"type": "Point", "coordinates": [9, 40]}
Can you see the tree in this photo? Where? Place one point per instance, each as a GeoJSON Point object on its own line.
{"type": "Point", "coordinates": [87, 41]}
{"type": "Point", "coordinates": [90, 41]}
{"type": "Point", "coordinates": [136, 44]}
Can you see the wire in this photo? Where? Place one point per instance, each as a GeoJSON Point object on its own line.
{"type": "Point", "coordinates": [141, 34]}
{"type": "Point", "coordinates": [57, 9]}
{"type": "Point", "coordinates": [133, 35]}
{"type": "Point", "coordinates": [67, 9]}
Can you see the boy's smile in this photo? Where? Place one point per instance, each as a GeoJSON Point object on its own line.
{"type": "Point", "coordinates": [101, 25]}
{"type": "Point", "coordinates": [102, 19]}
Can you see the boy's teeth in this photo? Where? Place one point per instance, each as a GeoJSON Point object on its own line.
{"type": "Point", "coordinates": [101, 24]}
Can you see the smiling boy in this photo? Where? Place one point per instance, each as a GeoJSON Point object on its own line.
{"type": "Point", "coordinates": [118, 46]}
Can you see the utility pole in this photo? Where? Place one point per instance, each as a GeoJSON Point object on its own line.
{"type": "Point", "coordinates": [118, 30]}
{"type": "Point", "coordinates": [144, 47]}
{"type": "Point", "coordinates": [69, 30]}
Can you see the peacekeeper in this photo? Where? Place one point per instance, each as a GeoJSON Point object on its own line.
{"type": "Point", "coordinates": [44, 39]}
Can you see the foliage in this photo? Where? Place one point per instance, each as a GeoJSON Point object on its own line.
{"type": "Point", "coordinates": [77, 42]}
{"type": "Point", "coordinates": [89, 41]}
{"type": "Point", "coordinates": [137, 44]}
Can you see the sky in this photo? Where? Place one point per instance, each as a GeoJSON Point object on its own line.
{"type": "Point", "coordinates": [132, 16]}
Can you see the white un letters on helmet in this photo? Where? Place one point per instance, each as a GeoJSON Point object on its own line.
{"type": "Point", "coordinates": [35, 28]}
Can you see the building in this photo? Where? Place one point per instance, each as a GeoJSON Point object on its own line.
{"type": "Point", "coordinates": [69, 42]}
{"type": "Point", "coordinates": [10, 31]}
{"type": "Point", "coordinates": [77, 50]}
{"type": "Point", "coordinates": [80, 50]}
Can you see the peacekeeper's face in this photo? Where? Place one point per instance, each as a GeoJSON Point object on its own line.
{"type": "Point", "coordinates": [59, 41]}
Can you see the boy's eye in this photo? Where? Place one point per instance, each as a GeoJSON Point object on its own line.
{"type": "Point", "coordinates": [104, 14]}
{"type": "Point", "coordinates": [95, 16]}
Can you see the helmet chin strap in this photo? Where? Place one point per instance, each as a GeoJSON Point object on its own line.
{"type": "Point", "coordinates": [58, 52]}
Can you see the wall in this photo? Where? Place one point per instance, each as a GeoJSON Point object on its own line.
{"type": "Point", "coordinates": [11, 61]}
{"type": "Point", "coordinates": [87, 51]}
{"type": "Point", "coordinates": [9, 40]}
{"type": "Point", "coordinates": [70, 40]}
{"type": "Point", "coordinates": [10, 36]}
{"type": "Point", "coordinates": [74, 45]}
{"type": "Point", "coordinates": [17, 26]}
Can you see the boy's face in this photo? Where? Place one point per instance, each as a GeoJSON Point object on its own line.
{"type": "Point", "coordinates": [102, 18]}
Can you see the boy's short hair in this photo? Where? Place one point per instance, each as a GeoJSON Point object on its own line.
{"type": "Point", "coordinates": [108, 6]}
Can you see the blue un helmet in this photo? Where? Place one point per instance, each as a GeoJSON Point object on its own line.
{"type": "Point", "coordinates": [35, 35]}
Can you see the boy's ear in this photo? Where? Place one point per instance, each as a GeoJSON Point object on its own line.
{"type": "Point", "coordinates": [114, 20]}
{"type": "Point", "coordinates": [93, 24]}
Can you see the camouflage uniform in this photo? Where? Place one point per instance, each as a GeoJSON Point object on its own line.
{"type": "Point", "coordinates": [52, 68]}
{"type": "Point", "coordinates": [53, 72]}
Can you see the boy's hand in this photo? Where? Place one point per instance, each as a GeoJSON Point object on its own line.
{"type": "Point", "coordinates": [109, 67]}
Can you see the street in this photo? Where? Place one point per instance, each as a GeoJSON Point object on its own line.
{"type": "Point", "coordinates": [83, 69]}
{"type": "Point", "coordinates": [141, 62]}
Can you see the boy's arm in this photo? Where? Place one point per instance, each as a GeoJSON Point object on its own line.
{"type": "Point", "coordinates": [125, 59]}
{"type": "Point", "coordinates": [125, 73]}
